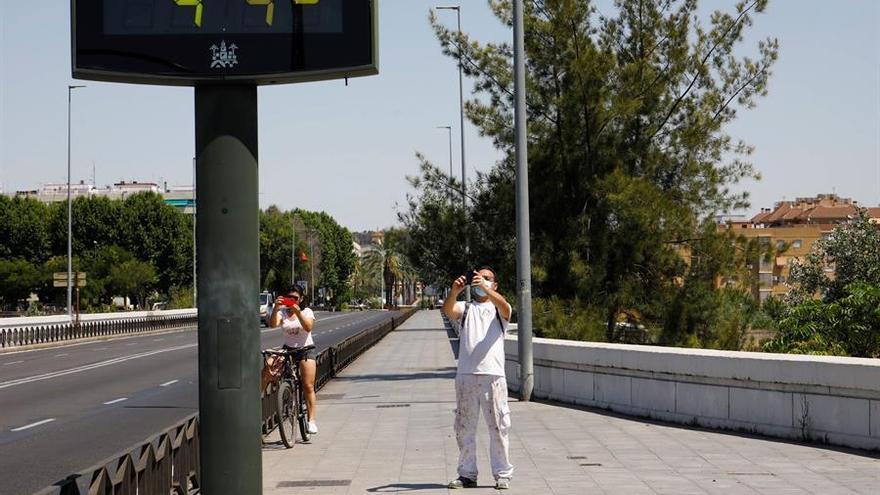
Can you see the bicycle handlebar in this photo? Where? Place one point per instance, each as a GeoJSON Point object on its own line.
{"type": "Point", "coordinates": [286, 352]}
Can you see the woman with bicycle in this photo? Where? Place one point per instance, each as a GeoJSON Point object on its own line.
{"type": "Point", "coordinates": [296, 320]}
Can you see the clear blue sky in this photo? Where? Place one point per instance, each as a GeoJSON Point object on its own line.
{"type": "Point", "coordinates": [346, 150]}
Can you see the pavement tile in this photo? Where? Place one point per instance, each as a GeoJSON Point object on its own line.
{"type": "Point", "coordinates": [556, 450]}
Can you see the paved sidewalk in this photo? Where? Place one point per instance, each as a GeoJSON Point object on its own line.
{"type": "Point", "coordinates": [386, 427]}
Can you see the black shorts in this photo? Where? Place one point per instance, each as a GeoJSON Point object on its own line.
{"type": "Point", "coordinates": [301, 355]}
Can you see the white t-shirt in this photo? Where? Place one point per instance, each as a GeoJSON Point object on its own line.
{"type": "Point", "coordinates": [481, 343]}
{"type": "Point", "coordinates": [294, 334]}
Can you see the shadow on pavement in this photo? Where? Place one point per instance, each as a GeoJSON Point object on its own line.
{"type": "Point", "coordinates": [405, 487]}
{"type": "Point", "coordinates": [743, 434]}
{"type": "Point", "coordinates": [441, 373]}
{"type": "Point", "coordinates": [453, 338]}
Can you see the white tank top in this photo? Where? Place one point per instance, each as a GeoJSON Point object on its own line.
{"type": "Point", "coordinates": [291, 327]}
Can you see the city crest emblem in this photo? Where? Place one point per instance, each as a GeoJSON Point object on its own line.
{"type": "Point", "coordinates": [223, 56]}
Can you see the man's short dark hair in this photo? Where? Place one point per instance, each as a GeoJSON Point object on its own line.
{"type": "Point", "coordinates": [487, 267]}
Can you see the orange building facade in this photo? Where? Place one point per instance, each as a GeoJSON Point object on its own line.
{"type": "Point", "coordinates": [793, 228]}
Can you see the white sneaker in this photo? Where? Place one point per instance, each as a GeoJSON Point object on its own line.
{"type": "Point", "coordinates": [313, 428]}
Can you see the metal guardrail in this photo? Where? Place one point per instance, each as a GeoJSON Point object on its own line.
{"type": "Point", "coordinates": [43, 333]}
{"type": "Point", "coordinates": [169, 462]}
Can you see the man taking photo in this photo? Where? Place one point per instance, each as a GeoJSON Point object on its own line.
{"type": "Point", "coordinates": [480, 383]}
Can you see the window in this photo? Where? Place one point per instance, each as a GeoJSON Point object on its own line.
{"type": "Point", "coordinates": [796, 243]}
{"type": "Point", "coordinates": [780, 244]}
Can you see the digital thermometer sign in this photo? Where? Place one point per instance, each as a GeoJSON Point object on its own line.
{"type": "Point", "coordinates": [190, 42]}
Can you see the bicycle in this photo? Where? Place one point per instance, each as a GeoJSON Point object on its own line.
{"type": "Point", "coordinates": [291, 406]}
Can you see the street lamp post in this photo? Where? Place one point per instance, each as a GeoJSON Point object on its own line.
{"type": "Point", "coordinates": [69, 211]}
{"type": "Point", "coordinates": [449, 130]}
{"type": "Point", "coordinates": [195, 253]}
{"type": "Point", "coordinates": [293, 251]}
{"type": "Point", "coordinates": [523, 248]}
{"type": "Point", "coordinates": [312, 266]}
{"type": "Point", "coordinates": [457, 9]}
{"type": "Point", "coordinates": [310, 233]}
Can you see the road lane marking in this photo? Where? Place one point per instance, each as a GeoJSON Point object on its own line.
{"type": "Point", "coordinates": [100, 364]}
{"type": "Point", "coordinates": [12, 362]}
{"type": "Point", "coordinates": [172, 382]}
{"type": "Point", "coordinates": [114, 401]}
{"type": "Point", "coordinates": [61, 355]}
{"type": "Point", "coordinates": [133, 343]}
{"type": "Point", "coordinates": [101, 348]}
{"type": "Point", "coordinates": [38, 423]}
{"type": "Point", "coordinates": [158, 340]}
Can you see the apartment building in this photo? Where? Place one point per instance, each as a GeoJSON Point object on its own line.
{"type": "Point", "coordinates": [181, 197]}
{"type": "Point", "coordinates": [793, 227]}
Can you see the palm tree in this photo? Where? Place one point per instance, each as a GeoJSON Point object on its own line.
{"type": "Point", "coordinates": [387, 262]}
{"type": "Point", "coordinates": [409, 280]}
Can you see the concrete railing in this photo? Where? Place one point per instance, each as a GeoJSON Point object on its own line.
{"type": "Point", "coordinates": [25, 332]}
{"type": "Point", "coordinates": [824, 399]}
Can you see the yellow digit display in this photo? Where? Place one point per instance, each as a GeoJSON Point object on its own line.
{"type": "Point", "coordinates": [197, 17]}
{"type": "Point", "coordinates": [270, 8]}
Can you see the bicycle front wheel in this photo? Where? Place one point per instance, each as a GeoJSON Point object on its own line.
{"type": "Point", "coordinates": [303, 416]}
{"type": "Point", "coordinates": [286, 415]}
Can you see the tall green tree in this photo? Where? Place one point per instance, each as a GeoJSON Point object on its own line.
{"type": "Point", "coordinates": [276, 250]}
{"type": "Point", "coordinates": [852, 249]}
{"type": "Point", "coordinates": [628, 149]}
{"type": "Point", "coordinates": [335, 255]}
{"type": "Point", "coordinates": [19, 278]}
{"type": "Point", "coordinates": [24, 229]}
{"type": "Point", "coordinates": [388, 262]}
{"type": "Point", "coordinates": [839, 314]}
{"type": "Point", "coordinates": [99, 268]}
{"type": "Point", "coordinates": [133, 279]}
{"type": "Point", "coordinates": [327, 247]}
{"type": "Point", "coordinates": [436, 226]}
{"type": "Point", "coordinates": [158, 234]}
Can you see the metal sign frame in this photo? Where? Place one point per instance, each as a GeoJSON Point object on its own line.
{"type": "Point", "coordinates": [179, 76]}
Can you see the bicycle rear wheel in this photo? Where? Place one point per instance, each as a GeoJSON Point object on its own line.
{"type": "Point", "coordinates": [286, 414]}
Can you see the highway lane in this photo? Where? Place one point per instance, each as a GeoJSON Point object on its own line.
{"type": "Point", "coordinates": [66, 408]}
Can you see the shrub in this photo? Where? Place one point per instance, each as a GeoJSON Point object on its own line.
{"type": "Point", "coordinates": [567, 319]}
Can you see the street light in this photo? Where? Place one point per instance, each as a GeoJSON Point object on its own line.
{"type": "Point", "coordinates": [457, 9]}
{"type": "Point", "coordinates": [311, 242]}
{"type": "Point", "coordinates": [449, 129]}
{"type": "Point", "coordinates": [195, 251]}
{"type": "Point", "coordinates": [69, 212]}
{"type": "Point", "coordinates": [523, 248]}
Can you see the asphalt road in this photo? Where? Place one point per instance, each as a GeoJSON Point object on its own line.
{"type": "Point", "coordinates": [66, 408]}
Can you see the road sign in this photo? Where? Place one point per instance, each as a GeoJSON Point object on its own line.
{"type": "Point", "coordinates": [59, 279]}
{"type": "Point", "coordinates": [185, 42]}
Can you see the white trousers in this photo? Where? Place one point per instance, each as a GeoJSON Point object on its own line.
{"type": "Point", "coordinates": [488, 393]}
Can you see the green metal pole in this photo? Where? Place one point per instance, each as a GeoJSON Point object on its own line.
{"type": "Point", "coordinates": [228, 280]}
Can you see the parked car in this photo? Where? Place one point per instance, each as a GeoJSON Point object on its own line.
{"type": "Point", "coordinates": [266, 301]}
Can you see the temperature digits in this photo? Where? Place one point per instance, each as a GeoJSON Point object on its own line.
{"type": "Point", "coordinates": [197, 17]}
{"type": "Point", "coordinates": [269, 4]}
{"type": "Point", "coordinates": [270, 8]}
